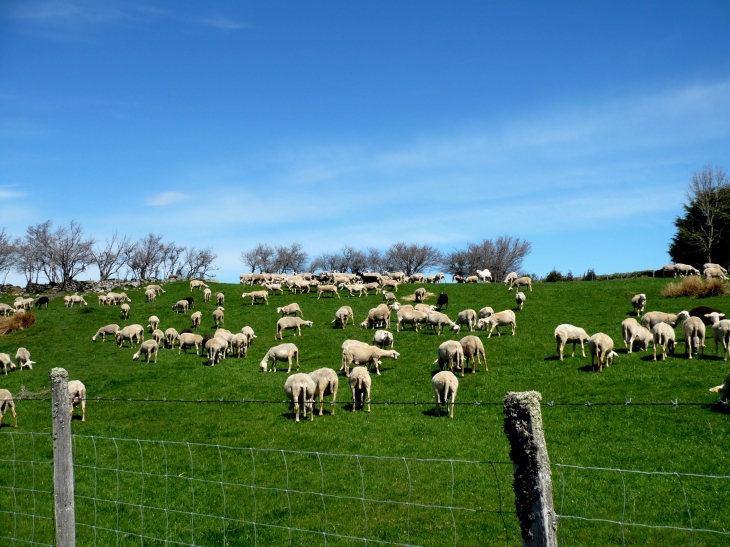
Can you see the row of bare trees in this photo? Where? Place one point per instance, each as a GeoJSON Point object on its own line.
{"type": "Point", "coordinates": [500, 256]}
{"type": "Point", "coordinates": [59, 255]}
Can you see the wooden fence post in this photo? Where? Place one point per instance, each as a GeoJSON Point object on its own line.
{"type": "Point", "coordinates": [63, 465]}
{"type": "Point", "coordinates": [532, 480]}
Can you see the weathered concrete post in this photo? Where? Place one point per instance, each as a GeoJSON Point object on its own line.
{"type": "Point", "coordinates": [63, 465]}
{"type": "Point", "coordinates": [533, 483]}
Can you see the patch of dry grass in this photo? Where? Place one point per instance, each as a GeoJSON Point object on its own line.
{"type": "Point", "coordinates": [412, 297]}
{"type": "Point", "coordinates": [696, 287]}
{"type": "Point", "coordinates": [19, 321]}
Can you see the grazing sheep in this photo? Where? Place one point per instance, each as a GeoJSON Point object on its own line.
{"type": "Point", "coordinates": [6, 401]}
{"type": "Point", "coordinates": [41, 301]}
{"type": "Point", "coordinates": [633, 332]}
{"type": "Point", "coordinates": [216, 349]}
{"type": "Point", "coordinates": [722, 389]}
{"type": "Point", "coordinates": [282, 352]}
{"type": "Point", "coordinates": [154, 322]}
{"type": "Point", "coordinates": [260, 295]}
{"type": "Point", "coordinates": [103, 331]}
{"type": "Point", "coordinates": [420, 294]}
{"type": "Point", "coordinates": [156, 288]}
{"type": "Point", "coordinates": [131, 333]}
{"type": "Point", "coordinates": [326, 383]}
{"type": "Point", "coordinates": [191, 302]}
{"type": "Point", "coordinates": [663, 335]}
{"type": "Point", "coordinates": [653, 317]}
{"type": "Point", "coordinates": [485, 275]}
{"type": "Point", "coordinates": [158, 336]}
{"type": "Point", "coordinates": [526, 281]}
{"type": "Point", "coordinates": [239, 343]}
{"type": "Point", "coordinates": [379, 316]}
{"type": "Point", "coordinates": [122, 297]}
{"type": "Point", "coordinates": [711, 265]}
{"type": "Point", "coordinates": [417, 278]}
{"type": "Point", "coordinates": [220, 298]}
{"type": "Point", "coordinates": [496, 320]}
{"type": "Point", "coordinates": [639, 302]}
{"type": "Point", "coordinates": [720, 332]}
{"type": "Point", "coordinates": [150, 295]}
{"type": "Point", "coordinates": [445, 385]}
{"type": "Point", "coordinates": [704, 312]}
{"type": "Point", "coordinates": [509, 278]}
{"type": "Point", "coordinates": [485, 312]}
{"type": "Point", "coordinates": [451, 354]}
{"type": "Point", "coordinates": [76, 395]}
{"type": "Point", "coordinates": [366, 355]}
{"type": "Point", "coordinates": [196, 318]}
{"type": "Point", "coordinates": [694, 336]}
{"type": "Point", "coordinates": [125, 311]}
{"type": "Point", "coordinates": [22, 356]}
{"type": "Point", "coordinates": [520, 298]}
{"type": "Point", "coordinates": [5, 309]}
{"type": "Point", "coordinates": [474, 349]}
{"type": "Point", "coordinates": [442, 302]}
{"type": "Point", "coordinates": [467, 317]}
{"type": "Point", "coordinates": [389, 297]}
{"type": "Point", "coordinates": [436, 320]}
{"type": "Point", "coordinates": [435, 278]}
{"type": "Point", "coordinates": [291, 309]}
{"type": "Point", "coordinates": [287, 323]}
{"type": "Point", "coordinates": [360, 383]}
{"type": "Point", "coordinates": [407, 316]}
{"type": "Point", "coordinates": [104, 300]}
{"type": "Point", "coordinates": [299, 388]}
{"type": "Point", "coordinates": [74, 299]}
{"type": "Point", "coordinates": [346, 345]}
{"type": "Point", "coordinates": [6, 363]}
{"type": "Point", "coordinates": [197, 284]}
{"type": "Point", "coordinates": [148, 347]}
{"type": "Point", "coordinates": [685, 269]}
{"type": "Point", "coordinates": [188, 340]}
{"type": "Point", "coordinates": [425, 308]}
{"type": "Point", "coordinates": [565, 334]}
{"type": "Point", "coordinates": [248, 331]}
{"type": "Point", "coordinates": [218, 316]}
{"type": "Point", "coordinates": [343, 315]}
{"type": "Point", "coordinates": [207, 293]}
{"type": "Point", "coordinates": [383, 338]}
{"type": "Point", "coordinates": [472, 279]}
{"type": "Point", "coordinates": [171, 335]}
{"type": "Point", "coordinates": [601, 346]}
{"type": "Point", "coordinates": [715, 272]}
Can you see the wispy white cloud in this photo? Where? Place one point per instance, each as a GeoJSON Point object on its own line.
{"type": "Point", "coordinates": [7, 193]}
{"type": "Point", "coordinates": [223, 23]}
{"type": "Point", "coordinates": [166, 198]}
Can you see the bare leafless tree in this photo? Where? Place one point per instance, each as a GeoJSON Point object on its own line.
{"type": "Point", "coordinates": [290, 259]}
{"type": "Point", "coordinates": [110, 258]}
{"type": "Point", "coordinates": [374, 260]}
{"type": "Point", "coordinates": [8, 254]}
{"type": "Point", "coordinates": [172, 262]}
{"type": "Point", "coordinates": [146, 255]}
{"type": "Point", "coordinates": [499, 256]}
{"type": "Point", "coordinates": [260, 258]}
{"type": "Point", "coordinates": [198, 264]}
{"type": "Point", "coordinates": [509, 253]}
{"type": "Point", "coordinates": [412, 258]}
{"type": "Point", "coordinates": [73, 251]}
{"type": "Point", "coordinates": [458, 262]}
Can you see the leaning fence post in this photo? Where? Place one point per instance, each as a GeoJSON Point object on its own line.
{"type": "Point", "coordinates": [532, 481]}
{"type": "Point", "coordinates": [63, 465]}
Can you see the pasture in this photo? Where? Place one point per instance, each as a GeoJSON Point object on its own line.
{"type": "Point", "coordinates": [683, 438]}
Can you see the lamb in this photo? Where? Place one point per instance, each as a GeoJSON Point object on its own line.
{"type": "Point", "coordinates": [299, 388]}
{"type": "Point", "coordinates": [420, 294]}
{"type": "Point", "coordinates": [601, 345]}
{"type": "Point", "coordinates": [445, 385]}
{"type": "Point", "coordinates": [653, 317]}
{"type": "Point", "coordinates": [22, 356]}
{"type": "Point", "coordinates": [42, 300]}
{"type": "Point", "coordinates": [509, 278]}
{"type": "Point", "coordinates": [5, 309]}
{"type": "Point", "coordinates": [197, 284]}
{"type": "Point", "coordinates": [694, 336]}
{"type": "Point", "coordinates": [321, 289]}
{"type": "Point", "coordinates": [383, 338]}
{"type": "Point", "coordinates": [360, 383]}
{"type": "Point", "coordinates": [436, 320]}
{"type": "Point", "coordinates": [286, 323]}
{"type": "Point", "coordinates": [125, 311]}
{"type": "Point", "coordinates": [282, 352]}
{"type": "Point", "coordinates": [720, 332]}
{"type": "Point", "coordinates": [196, 318]}
{"type": "Point", "coordinates": [343, 315]}
{"type": "Point", "coordinates": [216, 349]}
{"type": "Point", "coordinates": [722, 389]}
{"type": "Point", "coordinates": [496, 320]}
{"type": "Point", "coordinates": [158, 336]}
{"type": "Point", "coordinates": [187, 340]}
{"type": "Point", "coordinates": [520, 299]}
{"type": "Point", "coordinates": [218, 316]}
{"type": "Point", "coordinates": [410, 317]}
{"type": "Point", "coordinates": [220, 298]}
{"type": "Point", "coordinates": [715, 272]}
{"type": "Point", "coordinates": [148, 347]}
{"type": "Point", "coordinates": [526, 281]}
{"type": "Point", "coordinates": [207, 293]}
{"type": "Point", "coordinates": [467, 317]}
{"type": "Point", "coordinates": [474, 349]}
{"type": "Point", "coordinates": [326, 383]}
{"type": "Point", "coordinates": [171, 335]}
{"type": "Point", "coordinates": [565, 334]}
{"type": "Point", "coordinates": [103, 331]}
{"type": "Point", "coordinates": [76, 395]}
{"type": "Point", "coordinates": [664, 336]}
{"type": "Point", "coordinates": [154, 322]}
{"type": "Point", "coordinates": [6, 401]}
{"type": "Point", "coordinates": [149, 294]}
{"type": "Point", "coordinates": [639, 302]}
{"type": "Point", "coordinates": [485, 312]}
{"type": "Point", "coordinates": [633, 332]}
{"type": "Point", "coordinates": [6, 363]}
{"type": "Point", "coordinates": [365, 355]}
{"type": "Point", "coordinates": [130, 333]}
{"type": "Point", "coordinates": [451, 353]}
{"type": "Point", "coordinates": [260, 295]}
{"type": "Point", "coordinates": [291, 309]}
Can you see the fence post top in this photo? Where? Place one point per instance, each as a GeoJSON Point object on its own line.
{"type": "Point", "coordinates": [58, 374]}
{"type": "Point", "coordinates": [523, 397]}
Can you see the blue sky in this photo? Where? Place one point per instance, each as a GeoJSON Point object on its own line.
{"type": "Point", "coordinates": [574, 125]}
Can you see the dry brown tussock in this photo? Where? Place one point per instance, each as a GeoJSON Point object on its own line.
{"type": "Point", "coordinates": [412, 297]}
{"type": "Point", "coordinates": [696, 287]}
{"type": "Point", "coordinates": [20, 321]}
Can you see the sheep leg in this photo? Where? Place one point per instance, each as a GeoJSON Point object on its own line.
{"type": "Point", "coordinates": [438, 401]}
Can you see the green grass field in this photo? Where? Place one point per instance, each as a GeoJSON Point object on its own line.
{"type": "Point", "coordinates": [683, 439]}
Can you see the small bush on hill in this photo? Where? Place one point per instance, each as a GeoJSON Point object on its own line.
{"type": "Point", "coordinates": [590, 275]}
{"type": "Point", "coordinates": [554, 276]}
{"type": "Point", "coordinates": [696, 287]}
{"type": "Point", "coordinates": [16, 322]}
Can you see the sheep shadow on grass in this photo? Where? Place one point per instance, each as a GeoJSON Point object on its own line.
{"type": "Point", "coordinates": [718, 407]}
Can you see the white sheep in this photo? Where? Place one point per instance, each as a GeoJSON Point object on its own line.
{"type": "Point", "coordinates": [720, 332]}
{"type": "Point", "coordinates": [526, 281]}
{"type": "Point", "coordinates": [383, 339]}
{"type": "Point", "coordinates": [425, 308]}
{"type": "Point", "coordinates": [601, 346]}
{"type": "Point", "coordinates": [291, 309]}
{"type": "Point", "coordinates": [436, 320]}
{"type": "Point", "coordinates": [353, 288]}
{"type": "Point", "coordinates": [712, 265]}
{"type": "Point", "coordinates": [170, 337]}
{"type": "Point", "coordinates": [220, 298]}
{"type": "Point", "coordinates": [330, 289]}
{"type": "Point", "coordinates": [158, 336]}
{"type": "Point", "coordinates": [125, 311]}
{"type": "Point", "coordinates": [653, 317]}
{"type": "Point", "coordinates": [239, 342]}
{"type": "Point", "coordinates": [76, 395]}
{"type": "Point", "coordinates": [299, 388]}
{"type": "Point", "coordinates": [345, 346]}
{"type": "Point", "coordinates": [197, 284]}
{"type": "Point", "coordinates": [282, 352]}
{"type": "Point", "coordinates": [663, 335]}
{"type": "Point", "coordinates": [216, 349]}
{"type": "Point", "coordinates": [379, 316]}
{"type": "Point", "coordinates": [406, 316]}
{"type": "Point", "coordinates": [389, 297]}
{"type": "Point", "coordinates": [715, 272]}
{"type": "Point", "coordinates": [496, 320]}
{"type": "Point", "coordinates": [218, 316]}
{"type": "Point", "coordinates": [5, 309]}
{"type": "Point", "coordinates": [290, 323]}
{"type": "Point", "coordinates": [150, 295]}
{"type": "Point", "coordinates": [196, 318]}
{"type": "Point", "coordinates": [694, 336]}
{"type": "Point", "coordinates": [22, 356]}
{"type": "Point", "coordinates": [520, 298]}
{"type": "Point", "coordinates": [207, 293]}
{"type": "Point", "coordinates": [73, 299]}
{"type": "Point", "coordinates": [326, 383]}
{"type": "Point", "coordinates": [467, 317]}
{"type": "Point", "coordinates": [633, 333]}
{"type": "Point", "coordinates": [685, 269]}
{"type": "Point", "coordinates": [420, 294]}
{"type": "Point", "coordinates": [722, 389]}
{"type": "Point", "coordinates": [474, 350]}
{"type": "Point", "coordinates": [148, 347]}
{"type": "Point", "coordinates": [366, 355]}
{"type": "Point", "coordinates": [639, 302]}
{"type": "Point", "coordinates": [257, 295]}
{"type": "Point", "coordinates": [248, 331]}
{"type": "Point", "coordinates": [566, 334]}
{"type": "Point", "coordinates": [6, 401]}
{"type": "Point", "coordinates": [154, 322]}
{"type": "Point", "coordinates": [156, 288]}
{"type": "Point", "coordinates": [132, 333]}
{"type": "Point", "coordinates": [509, 278]}
{"type": "Point", "coordinates": [360, 383]}
{"type": "Point", "coordinates": [104, 331]}
{"type": "Point", "coordinates": [485, 312]}
{"type": "Point", "coordinates": [451, 354]}
{"type": "Point", "coordinates": [485, 275]}
{"type": "Point", "coordinates": [445, 385]}
{"type": "Point", "coordinates": [188, 340]}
